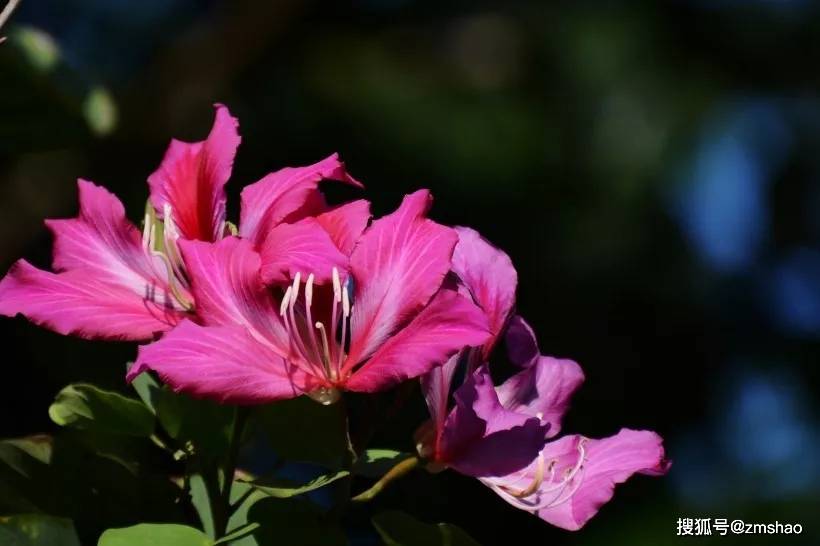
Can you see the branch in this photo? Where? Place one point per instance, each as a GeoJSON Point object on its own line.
{"type": "Point", "coordinates": [6, 14]}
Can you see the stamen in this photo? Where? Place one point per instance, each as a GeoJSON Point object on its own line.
{"type": "Point", "coordinates": [309, 316]}
{"type": "Point", "coordinates": [325, 351]}
{"type": "Point", "coordinates": [283, 307]}
{"type": "Point", "coordinates": [147, 230]}
{"type": "Point", "coordinates": [337, 297]}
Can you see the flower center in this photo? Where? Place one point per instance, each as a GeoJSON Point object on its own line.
{"type": "Point", "coordinates": [319, 347]}
{"type": "Point", "coordinates": [559, 489]}
{"type": "Point", "coordinates": [159, 239]}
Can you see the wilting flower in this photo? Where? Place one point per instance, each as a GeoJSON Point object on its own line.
{"type": "Point", "coordinates": [500, 434]}
{"type": "Point", "coordinates": [109, 282]}
{"type": "Point", "coordinates": [385, 316]}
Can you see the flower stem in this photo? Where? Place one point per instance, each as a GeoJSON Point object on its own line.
{"type": "Point", "coordinates": [401, 469]}
{"type": "Point", "coordinates": [240, 417]}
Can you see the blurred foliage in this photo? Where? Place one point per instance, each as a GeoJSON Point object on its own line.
{"type": "Point", "coordinates": [619, 152]}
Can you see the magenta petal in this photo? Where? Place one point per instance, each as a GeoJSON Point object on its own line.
{"type": "Point", "coordinates": [608, 462]}
{"type": "Point", "coordinates": [435, 385]}
{"type": "Point", "coordinates": [228, 289]}
{"type": "Point", "coordinates": [481, 438]}
{"type": "Point", "coordinates": [79, 302]}
{"type": "Point", "coordinates": [224, 363]}
{"type": "Point", "coordinates": [522, 346]}
{"type": "Point", "coordinates": [543, 390]}
{"type": "Point", "coordinates": [346, 223]}
{"type": "Point", "coordinates": [398, 265]}
{"type": "Point", "coordinates": [268, 202]}
{"type": "Point", "coordinates": [304, 247]}
{"type": "Point", "coordinates": [489, 275]}
{"type": "Point", "coordinates": [192, 177]}
{"type": "Point", "coordinates": [102, 242]}
{"type": "Point", "coordinates": [449, 323]}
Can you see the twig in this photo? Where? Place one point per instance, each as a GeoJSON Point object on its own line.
{"type": "Point", "coordinates": [6, 14]}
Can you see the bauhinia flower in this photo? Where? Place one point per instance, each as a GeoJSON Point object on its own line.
{"type": "Point", "coordinates": [502, 435]}
{"type": "Point", "coordinates": [110, 282]}
{"type": "Point", "coordinates": [386, 318]}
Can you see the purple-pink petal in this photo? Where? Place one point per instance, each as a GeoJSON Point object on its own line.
{"type": "Point", "coordinates": [578, 475]}
{"type": "Point", "coordinates": [304, 247]}
{"type": "Point", "coordinates": [106, 286]}
{"type": "Point", "coordinates": [192, 176]}
{"type": "Point", "coordinates": [78, 302]}
{"type": "Point", "coordinates": [398, 265]}
{"type": "Point", "coordinates": [489, 275]}
{"type": "Point", "coordinates": [544, 390]}
{"type": "Point", "coordinates": [346, 223]}
{"type": "Point", "coordinates": [448, 323]}
{"type": "Point", "coordinates": [481, 438]}
{"type": "Point", "coordinates": [278, 195]}
{"type": "Point", "coordinates": [225, 363]}
{"type": "Point", "coordinates": [522, 345]}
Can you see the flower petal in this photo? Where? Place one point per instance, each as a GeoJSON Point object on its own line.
{"type": "Point", "coordinates": [102, 242]}
{"type": "Point", "coordinates": [304, 247]}
{"type": "Point", "coordinates": [192, 177]}
{"type": "Point", "coordinates": [228, 289]}
{"type": "Point", "coordinates": [449, 323]}
{"type": "Point", "coordinates": [522, 345]}
{"type": "Point", "coordinates": [268, 202]}
{"type": "Point", "coordinates": [398, 265]}
{"type": "Point", "coordinates": [346, 223]}
{"type": "Point", "coordinates": [481, 438]}
{"type": "Point", "coordinates": [489, 275]}
{"type": "Point", "coordinates": [224, 363]}
{"type": "Point", "coordinates": [543, 390]}
{"type": "Point", "coordinates": [605, 464]}
{"type": "Point", "coordinates": [435, 385]}
{"type": "Point", "coordinates": [610, 461]}
{"type": "Point", "coordinates": [79, 302]}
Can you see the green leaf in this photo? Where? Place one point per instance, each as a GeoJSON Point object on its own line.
{"type": "Point", "coordinates": [202, 424]}
{"type": "Point", "coordinates": [201, 501]}
{"type": "Point", "coordinates": [88, 407]}
{"type": "Point", "coordinates": [100, 111]}
{"type": "Point", "coordinates": [148, 534]}
{"type": "Point", "coordinates": [238, 534]}
{"type": "Point", "coordinates": [25, 477]}
{"type": "Point", "coordinates": [400, 529]}
{"type": "Point", "coordinates": [374, 463]}
{"type": "Point", "coordinates": [146, 386]}
{"type": "Point", "coordinates": [37, 530]}
{"type": "Point", "coordinates": [304, 430]}
{"type": "Point", "coordinates": [282, 489]}
{"type": "Point", "coordinates": [293, 522]}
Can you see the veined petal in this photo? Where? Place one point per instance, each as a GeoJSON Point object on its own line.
{"type": "Point", "coordinates": [398, 265]}
{"type": "Point", "coordinates": [449, 323]}
{"type": "Point", "coordinates": [105, 244]}
{"type": "Point", "coordinates": [192, 177]}
{"type": "Point", "coordinates": [80, 302]}
{"type": "Point", "coordinates": [228, 289]}
{"type": "Point", "coordinates": [522, 345]}
{"type": "Point", "coordinates": [543, 390]}
{"type": "Point", "coordinates": [225, 363]}
{"type": "Point", "coordinates": [346, 223]}
{"type": "Point", "coordinates": [489, 275]}
{"type": "Point", "coordinates": [583, 474]}
{"type": "Point", "coordinates": [279, 194]}
{"type": "Point", "coordinates": [304, 247]}
{"type": "Point", "coordinates": [436, 385]}
{"type": "Point", "coordinates": [481, 438]}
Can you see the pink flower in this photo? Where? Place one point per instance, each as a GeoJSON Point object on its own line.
{"type": "Point", "coordinates": [109, 282]}
{"type": "Point", "coordinates": [500, 434]}
{"type": "Point", "coordinates": [386, 318]}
